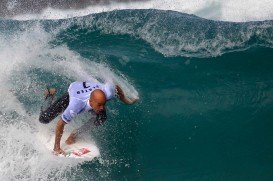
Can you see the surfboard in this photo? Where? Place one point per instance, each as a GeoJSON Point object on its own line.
{"type": "Point", "coordinates": [82, 149]}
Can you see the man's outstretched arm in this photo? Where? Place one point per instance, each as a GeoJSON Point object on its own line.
{"type": "Point", "coordinates": [58, 135]}
{"type": "Point", "coordinates": [122, 97]}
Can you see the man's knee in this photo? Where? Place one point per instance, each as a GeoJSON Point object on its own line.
{"type": "Point", "coordinates": [44, 119]}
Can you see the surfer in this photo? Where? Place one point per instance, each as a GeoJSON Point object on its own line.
{"type": "Point", "coordinates": [81, 97]}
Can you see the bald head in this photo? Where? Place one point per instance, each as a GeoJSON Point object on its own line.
{"type": "Point", "coordinates": [97, 100]}
{"type": "Point", "coordinates": [98, 95]}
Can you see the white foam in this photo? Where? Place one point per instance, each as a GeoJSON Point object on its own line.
{"type": "Point", "coordinates": [23, 157]}
{"type": "Point", "coordinates": [226, 10]}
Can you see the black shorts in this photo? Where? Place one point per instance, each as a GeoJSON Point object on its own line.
{"type": "Point", "coordinates": [54, 109]}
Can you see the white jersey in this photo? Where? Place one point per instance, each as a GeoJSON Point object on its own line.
{"type": "Point", "coordinates": [79, 94]}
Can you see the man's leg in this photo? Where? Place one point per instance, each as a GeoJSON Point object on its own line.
{"type": "Point", "coordinates": [83, 129]}
{"type": "Point", "coordinates": [51, 109]}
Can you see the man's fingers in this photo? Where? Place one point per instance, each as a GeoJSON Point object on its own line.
{"type": "Point", "coordinates": [52, 90]}
{"type": "Point", "coordinates": [58, 152]}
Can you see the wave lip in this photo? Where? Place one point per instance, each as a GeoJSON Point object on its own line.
{"type": "Point", "coordinates": [176, 34]}
{"type": "Point", "coordinates": [229, 10]}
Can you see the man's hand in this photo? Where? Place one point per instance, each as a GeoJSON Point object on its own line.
{"type": "Point", "coordinates": [122, 97]}
{"type": "Point", "coordinates": [58, 151]}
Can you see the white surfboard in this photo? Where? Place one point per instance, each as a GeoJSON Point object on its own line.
{"type": "Point", "coordinates": [82, 149]}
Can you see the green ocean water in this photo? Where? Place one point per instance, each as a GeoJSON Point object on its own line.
{"type": "Point", "coordinates": [205, 89]}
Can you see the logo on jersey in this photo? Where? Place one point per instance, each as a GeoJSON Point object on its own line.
{"type": "Point", "coordinates": [87, 88]}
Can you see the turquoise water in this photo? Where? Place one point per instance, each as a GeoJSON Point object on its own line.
{"type": "Point", "coordinates": [205, 89]}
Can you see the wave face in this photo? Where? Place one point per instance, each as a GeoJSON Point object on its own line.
{"type": "Point", "coordinates": [205, 90]}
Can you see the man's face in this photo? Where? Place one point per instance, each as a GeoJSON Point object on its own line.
{"type": "Point", "coordinates": [97, 105]}
{"type": "Point", "coordinates": [97, 101]}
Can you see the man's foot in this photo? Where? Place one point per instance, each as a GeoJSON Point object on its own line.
{"type": "Point", "coordinates": [51, 91]}
{"type": "Point", "coordinates": [71, 139]}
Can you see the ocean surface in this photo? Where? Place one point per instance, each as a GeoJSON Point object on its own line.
{"type": "Point", "coordinates": [204, 82]}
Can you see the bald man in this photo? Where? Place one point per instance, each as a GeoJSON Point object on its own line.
{"type": "Point", "coordinates": [81, 97]}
